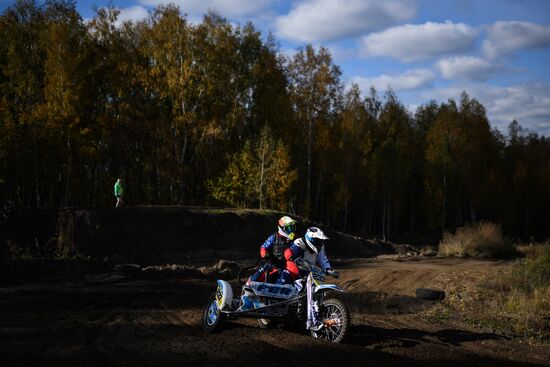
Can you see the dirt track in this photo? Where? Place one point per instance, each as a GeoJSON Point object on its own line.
{"type": "Point", "coordinates": [145, 322]}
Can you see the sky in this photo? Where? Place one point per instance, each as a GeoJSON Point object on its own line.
{"type": "Point", "coordinates": [498, 51]}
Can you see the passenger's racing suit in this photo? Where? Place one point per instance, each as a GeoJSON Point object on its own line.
{"type": "Point", "coordinates": [300, 250]}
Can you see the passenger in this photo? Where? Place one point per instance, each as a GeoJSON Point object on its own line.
{"type": "Point", "coordinates": [310, 248]}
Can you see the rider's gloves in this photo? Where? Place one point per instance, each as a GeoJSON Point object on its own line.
{"type": "Point", "coordinates": [267, 257]}
{"type": "Point", "coordinates": [333, 273]}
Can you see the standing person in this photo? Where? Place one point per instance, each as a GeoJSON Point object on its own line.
{"type": "Point", "coordinates": [119, 192]}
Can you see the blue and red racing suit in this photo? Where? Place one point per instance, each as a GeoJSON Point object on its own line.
{"type": "Point", "coordinates": [273, 250]}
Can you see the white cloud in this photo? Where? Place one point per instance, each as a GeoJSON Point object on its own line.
{"type": "Point", "coordinates": [340, 54]}
{"type": "Point", "coordinates": [506, 37]}
{"type": "Point", "coordinates": [226, 8]}
{"type": "Point", "coordinates": [423, 41]}
{"type": "Point", "coordinates": [411, 79]}
{"type": "Point", "coordinates": [324, 20]}
{"type": "Point", "coordinates": [466, 67]}
{"type": "Point", "coordinates": [134, 13]}
{"type": "Point", "coordinates": [527, 103]}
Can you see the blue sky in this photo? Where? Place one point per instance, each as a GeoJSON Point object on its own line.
{"type": "Point", "coordinates": [498, 51]}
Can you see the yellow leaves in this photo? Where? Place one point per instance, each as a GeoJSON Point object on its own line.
{"type": "Point", "coordinates": [212, 131]}
{"type": "Point", "coordinates": [260, 173]}
{"type": "Point", "coordinates": [85, 131]}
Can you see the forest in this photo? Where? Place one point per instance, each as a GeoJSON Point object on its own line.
{"type": "Point", "coordinates": [216, 114]}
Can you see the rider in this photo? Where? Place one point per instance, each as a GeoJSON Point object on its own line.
{"type": "Point", "coordinates": [272, 250]}
{"type": "Point", "coordinates": [310, 248]}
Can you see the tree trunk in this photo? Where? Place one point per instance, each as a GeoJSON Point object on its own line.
{"type": "Point", "coordinates": [370, 216]}
{"type": "Point", "coordinates": [365, 214]}
{"type": "Point", "coordinates": [182, 167]}
{"type": "Point", "coordinates": [318, 194]}
{"type": "Point", "coordinates": [92, 186]}
{"type": "Point", "coordinates": [308, 175]}
{"type": "Point", "coordinates": [158, 182]}
{"type": "Point", "coordinates": [412, 210]}
{"type": "Point", "coordinates": [443, 203]}
{"type": "Point", "coordinates": [527, 212]}
{"type": "Point", "coordinates": [346, 199]}
{"type": "Point", "coordinates": [384, 219]}
{"type": "Point", "coordinates": [69, 166]}
{"type": "Point", "coordinates": [261, 183]}
{"type": "Point", "coordinates": [459, 210]}
{"type": "Point", "coordinates": [35, 163]}
{"type": "Point", "coordinates": [388, 216]}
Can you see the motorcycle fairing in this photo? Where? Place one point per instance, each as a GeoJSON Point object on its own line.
{"type": "Point", "coordinates": [262, 289]}
{"type": "Point", "coordinates": [331, 287]}
{"type": "Point", "coordinates": [224, 294]}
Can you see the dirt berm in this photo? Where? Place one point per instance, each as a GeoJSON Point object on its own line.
{"type": "Point", "coordinates": [155, 235]}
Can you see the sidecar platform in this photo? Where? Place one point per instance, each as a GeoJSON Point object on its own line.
{"type": "Point", "coordinates": [257, 312]}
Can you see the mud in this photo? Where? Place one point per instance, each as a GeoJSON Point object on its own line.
{"type": "Point", "coordinates": [154, 320]}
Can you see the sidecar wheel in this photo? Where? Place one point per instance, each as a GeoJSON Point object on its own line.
{"type": "Point", "coordinates": [266, 324]}
{"type": "Point", "coordinates": [212, 316]}
{"type": "Point", "coordinates": [335, 315]}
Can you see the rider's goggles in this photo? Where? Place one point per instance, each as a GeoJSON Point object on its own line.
{"type": "Point", "coordinates": [289, 228]}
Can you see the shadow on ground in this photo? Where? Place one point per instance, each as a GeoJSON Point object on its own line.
{"type": "Point", "coordinates": [365, 335]}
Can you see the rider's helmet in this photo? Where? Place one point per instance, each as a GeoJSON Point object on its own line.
{"type": "Point", "coordinates": [314, 238]}
{"type": "Point", "coordinates": [287, 227]}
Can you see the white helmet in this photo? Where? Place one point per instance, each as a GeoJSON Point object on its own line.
{"type": "Point", "coordinates": [314, 238]}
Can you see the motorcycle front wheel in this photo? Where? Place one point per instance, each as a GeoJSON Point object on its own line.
{"type": "Point", "coordinates": [335, 316]}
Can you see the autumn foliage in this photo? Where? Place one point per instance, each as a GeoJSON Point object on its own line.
{"type": "Point", "coordinates": [215, 114]}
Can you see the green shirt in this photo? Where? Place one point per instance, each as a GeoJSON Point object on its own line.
{"type": "Point", "coordinates": [119, 190]}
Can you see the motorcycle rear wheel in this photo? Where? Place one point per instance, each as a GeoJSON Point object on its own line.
{"type": "Point", "coordinates": [336, 317]}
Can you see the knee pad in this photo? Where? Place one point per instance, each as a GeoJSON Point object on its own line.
{"type": "Point", "coordinates": [284, 278]}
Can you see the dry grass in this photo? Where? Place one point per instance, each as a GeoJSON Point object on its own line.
{"type": "Point", "coordinates": [515, 301]}
{"type": "Point", "coordinates": [428, 251]}
{"type": "Point", "coordinates": [483, 240]}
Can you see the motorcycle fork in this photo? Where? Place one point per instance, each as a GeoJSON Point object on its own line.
{"type": "Point", "coordinates": [314, 300]}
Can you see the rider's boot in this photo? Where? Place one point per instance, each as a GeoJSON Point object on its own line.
{"type": "Point", "coordinates": [299, 285]}
{"type": "Point", "coordinates": [316, 325]}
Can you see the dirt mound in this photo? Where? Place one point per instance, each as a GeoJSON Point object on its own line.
{"type": "Point", "coordinates": [223, 269]}
{"type": "Point", "coordinates": [156, 235]}
{"type": "Point", "coordinates": [404, 277]}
